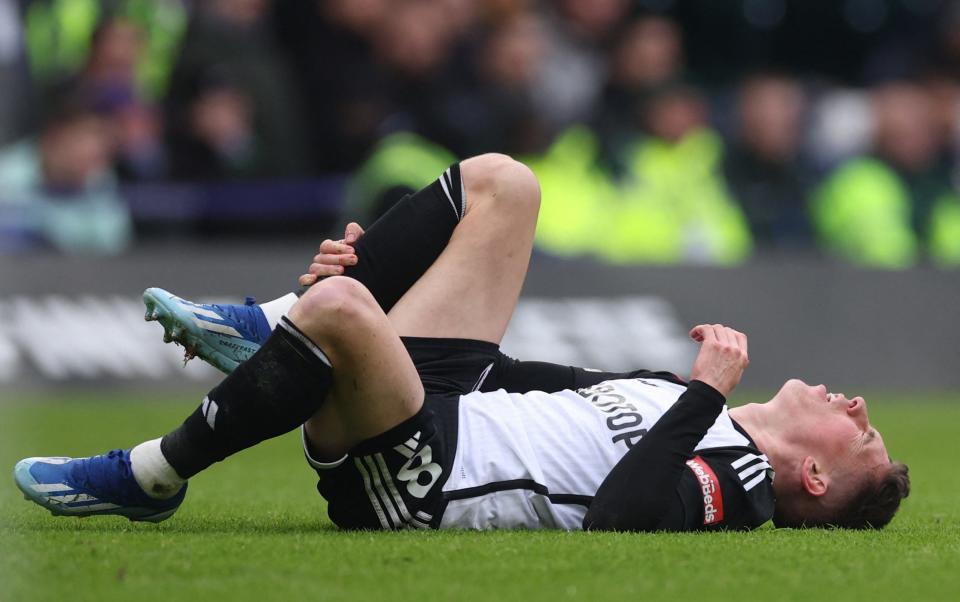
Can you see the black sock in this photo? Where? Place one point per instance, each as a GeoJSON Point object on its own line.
{"type": "Point", "coordinates": [272, 393]}
{"type": "Point", "coordinates": [400, 246]}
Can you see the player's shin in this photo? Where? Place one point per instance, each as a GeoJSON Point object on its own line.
{"type": "Point", "coordinates": [274, 392]}
{"type": "Point", "coordinates": [398, 248]}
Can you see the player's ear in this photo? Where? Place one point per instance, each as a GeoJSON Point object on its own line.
{"type": "Point", "coordinates": [815, 481]}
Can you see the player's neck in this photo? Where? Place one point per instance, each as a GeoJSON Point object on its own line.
{"type": "Point", "coordinates": [757, 421]}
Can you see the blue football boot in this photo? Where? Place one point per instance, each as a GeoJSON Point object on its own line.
{"type": "Point", "coordinates": [92, 486]}
{"type": "Point", "coordinates": [221, 335]}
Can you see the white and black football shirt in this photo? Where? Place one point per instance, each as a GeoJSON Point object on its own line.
{"type": "Point", "coordinates": [538, 460]}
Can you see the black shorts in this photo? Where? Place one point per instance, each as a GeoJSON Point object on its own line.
{"type": "Point", "coordinates": [395, 480]}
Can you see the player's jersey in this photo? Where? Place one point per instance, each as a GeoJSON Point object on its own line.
{"type": "Point", "coordinates": [536, 460]}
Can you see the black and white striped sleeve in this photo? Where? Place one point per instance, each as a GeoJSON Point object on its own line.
{"type": "Point", "coordinates": [729, 488]}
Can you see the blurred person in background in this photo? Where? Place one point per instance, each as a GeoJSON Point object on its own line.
{"type": "Point", "coordinates": [675, 185]}
{"type": "Point", "coordinates": [59, 36]}
{"type": "Point", "coordinates": [886, 208]}
{"type": "Point", "coordinates": [575, 65]}
{"type": "Point", "coordinates": [230, 71]}
{"type": "Point", "coordinates": [108, 81]}
{"type": "Point", "coordinates": [944, 224]}
{"type": "Point", "coordinates": [670, 205]}
{"type": "Point", "coordinates": [329, 45]}
{"type": "Point", "coordinates": [218, 140]}
{"type": "Point", "coordinates": [423, 66]}
{"type": "Point", "coordinates": [110, 66]}
{"type": "Point", "coordinates": [494, 108]}
{"type": "Point", "coordinates": [60, 189]}
{"type": "Point", "coordinates": [648, 55]}
{"type": "Point", "coordinates": [141, 153]}
{"type": "Point", "coordinates": [944, 90]}
{"type": "Point", "coordinates": [763, 166]}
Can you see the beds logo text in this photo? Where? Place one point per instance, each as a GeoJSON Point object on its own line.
{"type": "Point", "coordinates": [709, 489]}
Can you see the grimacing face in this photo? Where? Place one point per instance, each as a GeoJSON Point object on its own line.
{"type": "Point", "coordinates": [832, 428]}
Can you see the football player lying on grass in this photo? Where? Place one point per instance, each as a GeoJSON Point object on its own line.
{"type": "Point", "coordinates": [421, 431]}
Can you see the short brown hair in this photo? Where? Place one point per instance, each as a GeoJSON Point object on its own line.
{"type": "Point", "coordinates": [875, 504]}
{"type": "Point", "coordinates": [872, 507]}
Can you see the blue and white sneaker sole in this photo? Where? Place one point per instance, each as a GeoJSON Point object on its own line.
{"type": "Point", "coordinates": [179, 322]}
{"type": "Point", "coordinates": [62, 500]}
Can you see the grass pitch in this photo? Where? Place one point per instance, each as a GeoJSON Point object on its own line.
{"type": "Point", "coordinates": [253, 528]}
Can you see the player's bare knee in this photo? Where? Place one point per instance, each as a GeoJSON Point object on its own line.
{"type": "Point", "coordinates": [332, 304]}
{"type": "Point", "coordinates": [499, 179]}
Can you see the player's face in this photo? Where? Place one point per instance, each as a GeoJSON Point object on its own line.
{"type": "Point", "coordinates": [831, 427]}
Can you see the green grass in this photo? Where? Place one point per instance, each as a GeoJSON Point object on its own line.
{"type": "Point", "coordinates": [253, 528]}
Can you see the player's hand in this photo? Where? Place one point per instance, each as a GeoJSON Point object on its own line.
{"type": "Point", "coordinates": [722, 358]}
{"type": "Point", "coordinates": [333, 256]}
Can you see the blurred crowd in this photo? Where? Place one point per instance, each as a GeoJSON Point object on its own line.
{"type": "Point", "coordinates": [662, 131]}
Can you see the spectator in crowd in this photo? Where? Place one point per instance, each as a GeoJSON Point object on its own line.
{"type": "Point", "coordinates": [436, 79]}
{"type": "Point", "coordinates": [59, 36]}
{"type": "Point", "coordinates": [763, 166]}
{"type": "Point", "coordinates": [648, 55]}
{"type": "Point", "coordinates": [141, 153]}
{"type": "Point", "coordinates": [231, 70]}
{"type": "Point", "coordinates": [418, 53]}
{"type": "Point", "coordinates": [329, 45]}
{"type": "Point", "coordinates": [944, 91]}
{"type": "Point", "coordinates": [218, 138]}
{"type": "Point", "coordinates": [108, 81]}
{"type": "Point", "coordinates": [882, 209]}
{"type": "Point", "coordinates": [576, 65]}
{"type": "Point", "coordinates": [60, 190]}
{"type": "Point", "coordinates": [676, 172]}
{"type": "Point", "coordinates": [494, 110]}
{"type": "Point", "coordinates": [670, 206]}
{"type": "Point", "coordinates": [110, 67]}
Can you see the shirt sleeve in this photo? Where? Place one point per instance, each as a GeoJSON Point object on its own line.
{"type": "Point", "coordinates": [711, 496]}
{"type": "Point", "coordinates": [640, 493]}
{"type": "Point", "coordinates": [517, 376]}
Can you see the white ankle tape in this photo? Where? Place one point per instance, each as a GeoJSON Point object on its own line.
{"type": "Point", "coordinates": [276, 309]}
{"type": "Point", "coordinates": [152, 471]}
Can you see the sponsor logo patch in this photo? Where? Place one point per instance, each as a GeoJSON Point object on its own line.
{"type": "Point", "coordinates": [709, 489]}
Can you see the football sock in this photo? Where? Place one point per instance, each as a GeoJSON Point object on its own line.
{"type": "Point", "coordinates": [276, 309]}
{"type": "Point", "coordinates": [400, 246]}
{"type": "Point", "coordinates": [273, 392]}
{"type": "Point", "coordinates": [152, 471]}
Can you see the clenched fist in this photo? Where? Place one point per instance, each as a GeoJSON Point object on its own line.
{"type": "Point", "coordinates": [722, 358]}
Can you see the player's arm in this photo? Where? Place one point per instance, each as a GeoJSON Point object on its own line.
{"type": "Point", "coordinates": [516, 376]}
{"type": "Point", "coordinates": [642, 488]}
{"type": "Point", "coordinates": [712, 494]}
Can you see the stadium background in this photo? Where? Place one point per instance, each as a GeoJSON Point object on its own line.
{"type": "Point", "coordinates": [788, 167]}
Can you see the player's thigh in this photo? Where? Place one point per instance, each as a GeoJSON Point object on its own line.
{"type": "Point", "coordinates": [471, 290]}
{"type": "Point", "coordinates": [375, 384]}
